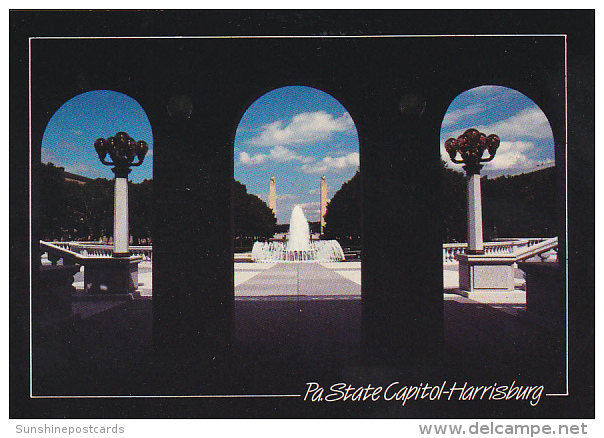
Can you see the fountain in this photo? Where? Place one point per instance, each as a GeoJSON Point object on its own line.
{"type": "Point", "coordinates": [298, 247]}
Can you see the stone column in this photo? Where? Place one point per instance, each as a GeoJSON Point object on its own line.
{"type": "Point", "coordinates": [323, 202]}
{"type": "Point", "coordinates": [272, 196]}
{"type": "Point", "coordinates": [475, 242]}
{"type": "Point", "coordinates": [120, 215]}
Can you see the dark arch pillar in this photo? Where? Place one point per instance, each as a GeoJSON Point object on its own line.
{"type": "Point", "coordinates": [193, 255]}
{"type": "Point", "coordinates": [402, 256]}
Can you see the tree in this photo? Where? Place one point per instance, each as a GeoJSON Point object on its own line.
{"type": "Point", "coordinates": [343, 215]}
{"type": "Point", "coordinates": [513, 206]}
{"type": "Point", "coordinates": [520, 206]}
{"type": "Point", "coordinates": [453, 203]}
{"type": "Point", "coordinates": [141, 211]}
{"type": "Point", "coordinates": [98, 208]}
{"type": "Point", "coordinates": [253, 219]}
{"type": "Point", "coordinates": [63, 213]}
{"type": "Point", "coordinates": [73, 211]}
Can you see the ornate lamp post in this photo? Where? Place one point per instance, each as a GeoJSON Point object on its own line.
{"type": "Point", "coordinates": [122, 150]}
{"type": "Point", "coordinates": [471, 146]}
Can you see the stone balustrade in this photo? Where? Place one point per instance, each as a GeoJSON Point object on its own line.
{"type": "Point", "coordinates": [103, 273]}
{"type": "Point", "coordinates": [450, 250]}
{"type": "Point", "coordinates": [499, 247]}
{"type": "Point", "coordinates": [494, 272]}
{"type": "Point", "coordinates": [93, 249]}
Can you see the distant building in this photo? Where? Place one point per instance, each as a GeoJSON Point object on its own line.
{"type": "Point", "coordinates": [75, 178]}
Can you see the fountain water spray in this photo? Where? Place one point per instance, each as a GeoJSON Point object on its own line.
{"type": "Point", "coordinates": [298, 247]}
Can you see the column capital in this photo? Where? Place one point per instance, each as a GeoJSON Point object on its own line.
{"type": "Point", "coordinates": [121, 172]}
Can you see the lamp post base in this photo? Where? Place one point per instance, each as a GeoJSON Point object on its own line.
{"type": "Point", "coordinates": [486, 273]}
{"type": "Point", "coordinates": [116, 275]}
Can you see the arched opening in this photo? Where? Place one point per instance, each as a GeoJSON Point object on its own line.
{"type": "Point", "coordinates": [297, 217]}
{"type": "Point", "coordinates": [517, 196]}
{"type": "Point", "coordinates": [77, 202]}
{"type": "Point", "coordinates": [296, 146]}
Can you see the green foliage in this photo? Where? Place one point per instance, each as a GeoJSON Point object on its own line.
{"type": "Point", "coordinates": [140, 204]}
{"type": "Point", "coordinates": [512, 206]}
{"type": "Point", "coordinates": [454, 207]}
{"type": "Point", "coordinates": [253, 219]}
{"type": "Point", "coordinates": [517, 206]}
{"type": "Point", "coordinates": [73, 211]}
{"type": "Point", "coordinates": [520, 206]}
{"type": "Point", "coordinates": [65, 213]}
{"type": "Point", "coordinates": [343, 215]}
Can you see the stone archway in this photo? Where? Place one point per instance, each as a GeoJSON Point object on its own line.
{"type": "Point", "coordinates": [300, 137]}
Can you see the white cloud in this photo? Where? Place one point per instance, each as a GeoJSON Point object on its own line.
{"type": "Point", "coordinates": [282, 154]}
{"type": "Point", "coordinates": [312, 211]}
{"type": "Point", "coordinates": [48, 156]}
{"type": "Point", "coordinates": [86, 170]}
{"type": "Point", "coordinates": [331, 164]}
{"type": "Point", "coordinates": [528, 123]}
{"type": "Point", "coordinates": [453, 117]}
{"type": "Point", "coordinates": [522, 138]}
{"type": "Point", "coordinates": [512, 157]}
{"type": "Point", "coordinates": [304, 128]}
{"type": "Point", "coordinates": [278, 154]}
{"type": "Point", "coordinates": [287, 197]}
{"type": "Point", "coordinates": [491, 91]}
{"type": "Point", "coordinates": [247, 160]}
{"type": "Point", "coordinates": [76, 167]}
{"type": "Point", "coordinates": [67, 146]}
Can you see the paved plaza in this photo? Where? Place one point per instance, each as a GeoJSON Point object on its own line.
{"type": "Point", "coordinates": [303, 281]}
{"type": "Point", "coordinates": [316, 280]}
{"type": "Point", "coordinates": [300, 280]}
{"type": "Point", "coordinates": [292, 323]}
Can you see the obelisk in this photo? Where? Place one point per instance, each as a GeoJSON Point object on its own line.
{"type": "Point", "coordinates": [323, 202]}
{"type": "Point", "coordinates": [272, 196]}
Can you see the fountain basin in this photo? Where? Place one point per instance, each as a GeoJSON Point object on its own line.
{"type": "Point", "coordinates": [318, 251]}
{"type": "Point", "coordinates": [298, 247]}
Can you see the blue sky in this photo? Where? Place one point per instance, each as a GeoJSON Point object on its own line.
{"type": "Point", "coordinates": [69, 136]}
{"type": "Point", "coordinates": [297, 134]}
{"type": "Point", "coordinates": [527, 141]}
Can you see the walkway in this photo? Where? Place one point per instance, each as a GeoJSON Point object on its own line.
{"type": "Point", "coordinates": [299, 280]}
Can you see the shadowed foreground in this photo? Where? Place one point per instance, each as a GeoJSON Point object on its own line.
{"type": "Point", "coordinates": [280, 344]}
